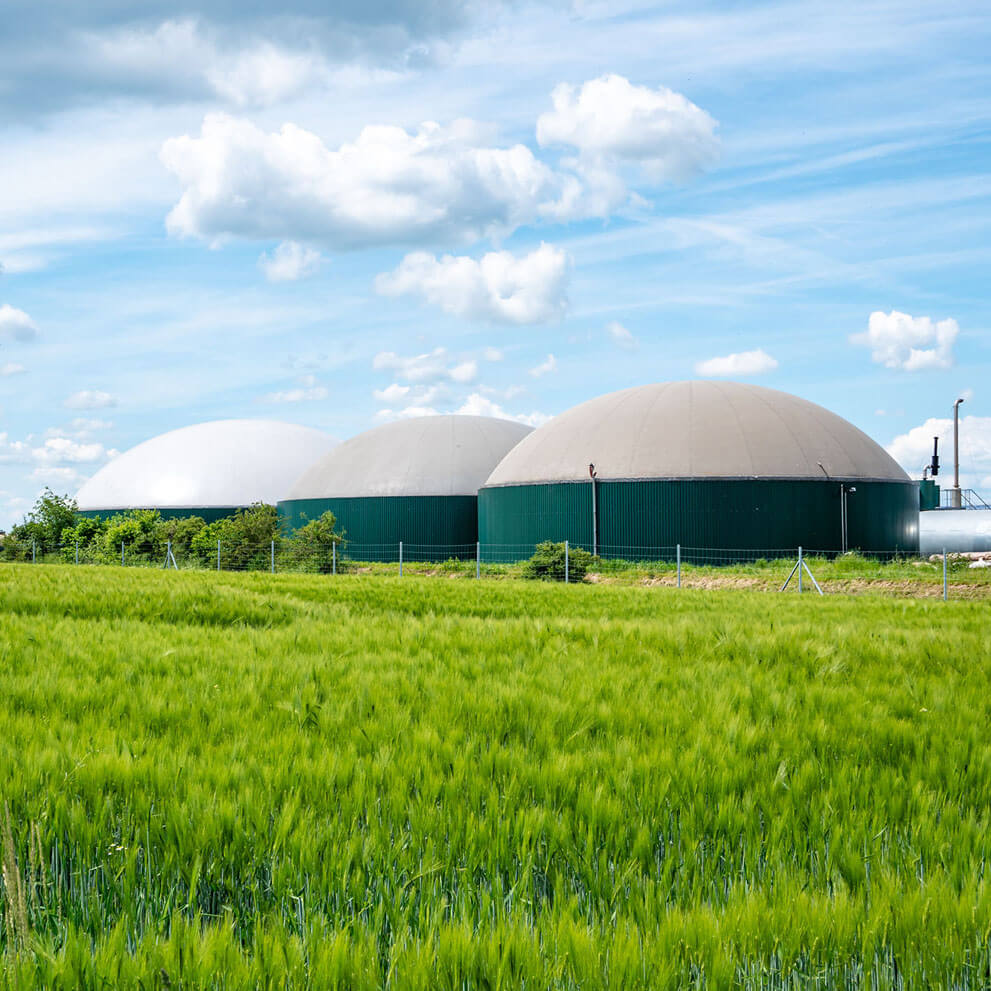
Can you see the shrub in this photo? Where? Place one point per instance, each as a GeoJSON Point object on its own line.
{"type": "Point", "coordinates": [547, 564]}
{"type": "Point", "coordinates": [42, 528]}
{"type": "Point", "coordinates": [311, 547]}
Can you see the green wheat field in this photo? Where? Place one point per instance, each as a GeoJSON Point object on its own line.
{"type": "Point", "coordinates": [252, 781]}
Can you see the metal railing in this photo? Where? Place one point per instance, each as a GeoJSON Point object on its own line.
{"type": "Point", "coordinates": [969, 499]}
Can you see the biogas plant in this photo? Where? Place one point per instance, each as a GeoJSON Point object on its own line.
{"type": "Point", "coordinates": [715, 467]}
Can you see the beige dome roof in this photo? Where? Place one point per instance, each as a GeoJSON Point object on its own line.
{"type": "Point", "coordinates": [696, 430]}
{"type": "Point", "coordinates": [425, 455]}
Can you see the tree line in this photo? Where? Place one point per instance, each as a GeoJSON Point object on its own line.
{"type": "Point", "coordinates": [55, 527]}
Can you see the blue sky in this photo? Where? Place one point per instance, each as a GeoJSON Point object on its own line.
{"type": "Point", "coordinates": [334, 219]}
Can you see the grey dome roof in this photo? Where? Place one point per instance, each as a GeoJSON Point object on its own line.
{"type": "Point", "coordinates": [696, 430]}
{"type": "Point", "coordinates": [223, 464]}
{"type": "Point", "coordinates": [426, 455]}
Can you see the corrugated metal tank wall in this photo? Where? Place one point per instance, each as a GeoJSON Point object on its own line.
{"type": "Point", "coordinates": [430, 527]}
{"type": "Point", "coordinates": [648, 518]}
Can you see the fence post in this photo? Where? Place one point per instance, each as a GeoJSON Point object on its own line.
{"type": "Point", "coordinates": [218, 555]}
{"type": "Point", "coordinates": [566, 556]}
{"type": "Point", "coordinates": [273, 557]}
{"type": "Point", "coordinates": [333, 551]}
{"type": "Point", "coordinates": [77, 552]}
{"type": "Point", "coordinates": [400, 559]}
{"type": "Point", "coordinates": [34, 551]}
{"type": "Point", "coordinates": [478, 559]}
{"type": "Point", "coordinates": [946, 587]}
{"type": "Point", "coordinates": [122, 553]}
{"type": "Point", "coordinates": [799, 570]}
{"type": "Point", "coordinates": [677, 551]}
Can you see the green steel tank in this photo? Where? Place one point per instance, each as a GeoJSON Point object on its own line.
{"type": "Point", "coordinates": [413, 480]}
{"type": "Point", "coordinates": [725, 470]}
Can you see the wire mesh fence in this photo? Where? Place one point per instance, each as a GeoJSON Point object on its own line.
{"type": "Point", "coordinates": [675, 564]}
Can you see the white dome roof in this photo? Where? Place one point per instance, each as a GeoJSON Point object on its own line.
{"type": "Point", "coordinates": [426, 455]}
{"type": "Point", "coordinates": [223, 464]}
{"type": "Point", "coordinates": [696, 430]}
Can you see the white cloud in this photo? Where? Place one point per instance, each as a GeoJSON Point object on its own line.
{"type": "Point", "coordinates": [434, 366]}
{"type": "Point", "coordinates": [11, 368]}
{"type": "Point", "coordinates": [85, 425]}
{"type": "Point", "coordinates": [498, 287]}
{"type": "Point", "coordinates": [479, 405]}
{"type": "Point", "coordinates": [62, 450]}
{"type": "Point", "coordinates": [913, 450]}
{"type": "Point", "coordinates": [13, 451]}
{"type": "Point", "coordinates": [742, 363]}
{"type": "Point", "coordinates": [545, 367]}
{"type": "Point", "coordinates": [464, 372]}
{"type": "Point", "coordinates": [16, 324]}
{"type": "Point", "coordinates": [609, 120]}
{"type": "Point", "coordinates": [391, 393]}
{"type": "Point", "coordinates": [89, 399]}
{"type": "Point", "coordinates": [290, 262]}
{"type": "Point", "coordinates": [388, 186]}
{"type": "Point", "coordinates": [405, 414]}
{"type": "Point", "coordinates": [898, 340]}
{"type": "Point", "coordinates": [621, 336]}
{"type": "Point", "coordinates": [493, 354]}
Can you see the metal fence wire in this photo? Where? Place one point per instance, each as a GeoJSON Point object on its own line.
{"type": "Point", "coordinates": [554, 561]}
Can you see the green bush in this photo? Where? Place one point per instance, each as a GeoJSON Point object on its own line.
{"type": "Point", "coordinates": [245, 538]}
{"type": "Point", "coordinates": [311, 547]}
{"type": "Point", "coordinates": [547, 564]}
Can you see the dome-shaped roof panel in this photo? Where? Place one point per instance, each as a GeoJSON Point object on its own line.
{"type": "Point", "coordinates": [696, 430]}
{"type": "Point", "coordinates": [427, 455]}
{"type": "Point", "coordinates": [223, 463]}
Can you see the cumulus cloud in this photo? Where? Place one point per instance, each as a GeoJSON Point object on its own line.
{"type": "Point", "coordinates": [13, 451]}
{"type": "Point", "coordinates": [89, 399]}
{"type": "Point", "coordinates": [913, 450]}
{"type": "Point", "coordinates": [62, 450]}
{"type": "Point", "coordinates": [742, 363]}
{"type": "Point", "coordinates": [16, 324]}
{"type": "Point", "coordinates": [434, 366]}
{"type": "Point", "coordinates": [388, 186]}
{"type": "Point", "coordinates": [59, 54]}
{"type": "Point", "coordinates": [498, 287]}
{"type": "Point", "coordinates": [621, 336]}
{"type": "Point", "coordinates": [55, 449]}
{"type": "Point", "coordinates": [409, 412]}
{"type": "Point", "coordinates": [898, 340]}
{"type": "Point", "coordinates": [11, 368]}
{"type": "Point", "coordinates": [545, 367]}
{"type": "Point", "coordinates": [493, 354]}
{"type": "Point", "coordinates": [290, 261]}
{"type": "Point", "coordinates": [610, 120]}
{"type": "Point", "coordinates": [392, 393]}
{"type": "Point", "coordinates": [479, 405]}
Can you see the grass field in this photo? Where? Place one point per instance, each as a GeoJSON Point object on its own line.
{"type": "Point", "coordinates": [252, 781]}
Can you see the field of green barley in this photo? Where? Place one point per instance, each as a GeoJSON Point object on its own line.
{"type": "Point", "coordinates": [250, 781]}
